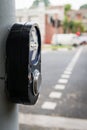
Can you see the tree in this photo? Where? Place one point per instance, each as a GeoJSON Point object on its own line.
{"type": "Point", "coordinates": [83, 6]}
{"type": "Point", "coordinates": [67, 8]}
{"type": "Point", "coordinates": [36, 3]}
{"type": "Point", "coordinates": [68, 25]}
{"type": "Point", "coordinates": [78, 26]}
{"type": "Point", "coordinates": [47, 3]}
{"type": "Point", "coordinates": [72, 26]}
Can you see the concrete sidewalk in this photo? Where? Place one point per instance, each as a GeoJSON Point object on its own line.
{"type": "Point", "coordinates": [50, 47]}
{"type": "Point", "coordinates": [46, 46]}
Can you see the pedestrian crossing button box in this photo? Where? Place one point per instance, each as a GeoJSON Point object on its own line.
{"type": "Point", "coordinates": [23, 63]}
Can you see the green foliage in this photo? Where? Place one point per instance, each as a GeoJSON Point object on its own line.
{"type": "Point", "coordinates": [36, 3]}
{"type": "Point", "coordinates": [47, 3]}
{"type": "Point", "coordinates": [78, 25]}
{"type": "Point", "coordinates": [83, 6]}
{"type": "Point", "coordinates": [67, 8]}
{"type": "Point", "coordinates": [65, 24]}
{"type": "Point", "coordinates": [72, 26]}
{"type": "Point", "coordinates": [68, 25]}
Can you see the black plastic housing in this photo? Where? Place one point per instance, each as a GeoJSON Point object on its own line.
{"type": "Point", "coordinates": [19, 66]}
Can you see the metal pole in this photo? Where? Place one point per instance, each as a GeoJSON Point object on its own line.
{"type": "Point", "coordinates": [8, 111]}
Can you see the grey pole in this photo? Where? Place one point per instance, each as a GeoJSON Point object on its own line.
{"type": "Point", "coordinates": [8, 111]}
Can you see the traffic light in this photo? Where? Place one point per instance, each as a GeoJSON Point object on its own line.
{"type": "Point", "coordinates": [23, 63]}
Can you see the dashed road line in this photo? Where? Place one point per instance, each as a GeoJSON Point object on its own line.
{"type": "Point", "coordinates": [63, 81]}
{"type": "Point", "coordinates": [75, 58]}
{"type": "Point", "coordinates": [55, 95]}
{"type": "Point", "coordinates": [69, 69]}
{"type": "Point", "coordinates": [49, 105]}
{"type": "Point", "coordinates": [67, 72]}
{"type": "Point", "coordinates": [59, 87]}
{"type": "Point", "coordinates": [65, 76]}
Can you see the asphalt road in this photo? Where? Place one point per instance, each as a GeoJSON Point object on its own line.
{"type": "Point", "coordinates": [63, 96]}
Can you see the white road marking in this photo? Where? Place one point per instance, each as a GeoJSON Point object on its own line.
{"type": "Point", "coordinates": [60, 87]}
{"type": "Point", "coordinates": [75, 58]}
{"type": "Point", "coordinates": [52, 121]}
{"type": "Point", "coordinates": [49, 105]}
{"type": "Point", "coordinates": [65, 76]}
{"type": "Point", "coordinates": [73, 62]}
{"type": "Point", "coordinates": [55, 95]}
{"type": "Point", "coordinates": [70, 66]}
{"type": "Point", "coordinates": [63, 81]}
{"type": "Point", "coordinates": [67, 72]}
{"type": "Point", "coordinates": [69, 69]}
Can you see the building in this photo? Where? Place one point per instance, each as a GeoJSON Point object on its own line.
{"type": "Point", "coordinates": [44, 17]}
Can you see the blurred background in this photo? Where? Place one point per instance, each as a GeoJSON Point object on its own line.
{"type": "Point", "coordinates": [54, 17]}
{"type": "Point", "coordinates": [62, 104]}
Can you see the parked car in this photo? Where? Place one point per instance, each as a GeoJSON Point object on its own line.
{"type": "Point", "coordinates": [76, 40]}
{"type": "Point", "coordinates": [80, 40]}
{"type": "Point", "coordinates": [69, 39]}
{"type": "Point", "coordinates": [83, 39]}
{"type": "Point", "coordinates": [63, 39]}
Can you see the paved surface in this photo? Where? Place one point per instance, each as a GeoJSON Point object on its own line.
{"type": "Point", "coordinates": [63, 96]}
